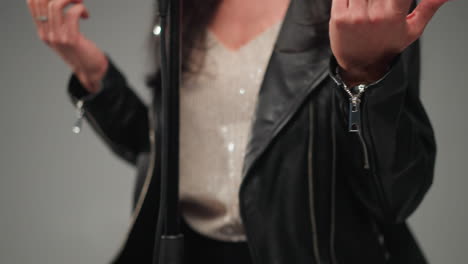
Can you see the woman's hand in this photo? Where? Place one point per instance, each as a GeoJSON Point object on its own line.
{"type": "Point", "coordinates": [366, 35]}
{"type": "Point", "coordinates": [60, 30]}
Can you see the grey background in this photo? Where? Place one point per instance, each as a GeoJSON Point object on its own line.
{"type": "Point", "coordinates": [65, 199]}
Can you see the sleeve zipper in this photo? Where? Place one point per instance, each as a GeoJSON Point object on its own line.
{"type": "Point", "coordinates": [354, 120]}
{"type": "Point", "coordinates": [79, 112]}
{"type": "Point", "coordinates": [355, 125]}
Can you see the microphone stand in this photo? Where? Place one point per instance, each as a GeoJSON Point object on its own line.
{"type": "Point", "coordinates": [169, 241]}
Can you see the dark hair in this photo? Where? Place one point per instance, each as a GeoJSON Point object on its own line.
{"type": "Point", "coordinates": [196, 16]}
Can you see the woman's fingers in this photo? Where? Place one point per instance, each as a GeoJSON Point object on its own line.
{"type": "Point", "coordinates": [35, 14]}
{"type": "Point", "coordinates": [41, 9]}
{"type": "Point", "coordinates": [421, 16]}
{"type": "Point", "coordinates": [59, 30]}
{"type": "Point", "coordinates": [73, 15]}
{"type": "Point", "coordinates": [401, 6]}
{"type": "Point", "coordinates": [64, 37]}
{"type": "Point", "coordinates": [56, 7]}
{"type": "Point", "coordinates": [370, 33]}
{"type": "Point", "coordinates": [339, 7]}
{"type": "Point", "coordinates": [359, 11]}
{"type": "Point", "coordinates": [377, 7]}
{"type": "Point", "coordinates": [52, 21]}
{"type": "Point", "coordinates": [32, 10]}
{"type": "Point", "coordinates": [353, 11]}
{"type": "Point", "coordinates": [357, 5]}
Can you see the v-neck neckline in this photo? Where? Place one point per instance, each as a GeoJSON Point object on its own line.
{"type": "Point", "coordinates": [257, 37]}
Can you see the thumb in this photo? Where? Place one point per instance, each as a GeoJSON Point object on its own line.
{"type": "Point", "coordinates": [421, 15]}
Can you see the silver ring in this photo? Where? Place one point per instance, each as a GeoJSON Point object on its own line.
{"type": "Point", "coordinates": [42, 18]}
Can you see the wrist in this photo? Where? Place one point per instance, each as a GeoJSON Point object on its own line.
{"type": "Point", "coordinates": [354, 76]}
{"type": "Point", "coordinates": [365, 73]}
{"type": "Point", "coordinates": [91, 78]}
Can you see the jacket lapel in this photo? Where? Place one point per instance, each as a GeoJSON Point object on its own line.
{"type": "Point", "coordinates": [298, 64]}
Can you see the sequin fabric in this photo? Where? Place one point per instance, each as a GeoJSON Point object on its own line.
{"type": "Point", "coordinates": [216, 109]}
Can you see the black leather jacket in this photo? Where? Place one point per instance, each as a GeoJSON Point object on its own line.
{"type": "Point", "coordinates": [313, 192]}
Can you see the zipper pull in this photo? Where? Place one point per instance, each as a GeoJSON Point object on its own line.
{"type": "Point", "coordinates": [354, 124]}
{"type": "Point", "coordinates": [79, 117]}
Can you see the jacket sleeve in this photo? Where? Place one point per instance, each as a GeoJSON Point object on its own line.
{"type": "Point", "coordinates": [115, 113]}
{"type": "Point", "coordinates": [395, 135]}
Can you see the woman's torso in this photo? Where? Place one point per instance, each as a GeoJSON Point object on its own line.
{"type": "Point", "coordinates": [217, 105]}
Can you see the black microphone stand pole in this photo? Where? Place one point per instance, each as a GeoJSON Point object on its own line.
{"type": "Point", "coordinates": [169, 241]}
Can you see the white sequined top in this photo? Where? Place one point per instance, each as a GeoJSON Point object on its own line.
{"type": "Point", "coordinates": [216, 109]}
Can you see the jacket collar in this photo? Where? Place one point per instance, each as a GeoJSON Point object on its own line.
{"type": "Point", "coordinates": [298, 64]}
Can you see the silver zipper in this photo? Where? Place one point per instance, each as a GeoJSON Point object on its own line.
{"type": "Point", "coordinates": [380, 239]}
{"type": "Point", "coordinates": [354, 120]}
{"type": "Point", "coordinates": [310, 178]}
{"type": "Point", "coordinates": [81, 113]}
{"type": "Point", "coordinates": [356, 126]}
{"type": "Point", "coordinates": [79, 117]}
